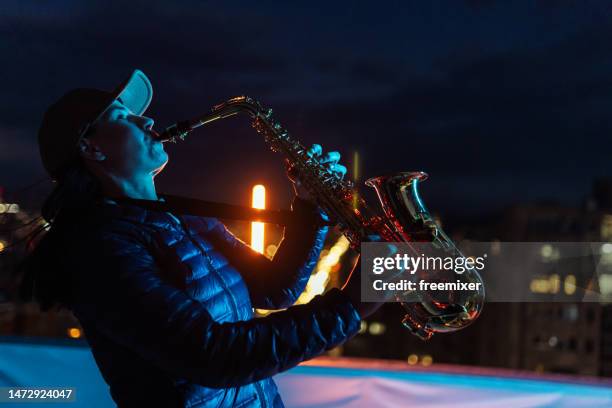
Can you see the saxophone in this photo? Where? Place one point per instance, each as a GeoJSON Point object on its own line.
{"type": "Point", "coordinates": [405, 218]}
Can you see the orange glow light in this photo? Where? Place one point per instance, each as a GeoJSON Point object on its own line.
{"type": "Point", "coordinates": [257, 228]}
{"type": "Point", "coordinates": [74, 333]}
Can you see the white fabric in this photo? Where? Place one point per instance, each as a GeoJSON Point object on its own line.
{"type": "Point", "coordinates": [23, 364]}
{"type": "Point", "coordinates": [137, 93]}
{"type": "Point", "coordinates": [349, 388]}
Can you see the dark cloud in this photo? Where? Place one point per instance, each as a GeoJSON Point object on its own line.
{"type": "Point", "coordinates": [490, 98]}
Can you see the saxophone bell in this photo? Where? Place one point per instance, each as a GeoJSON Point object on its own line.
{"type": "Point", "coordinates": [425, 314]}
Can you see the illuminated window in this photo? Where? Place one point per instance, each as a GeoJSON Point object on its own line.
{"type": "Point", "coordinates": [9, 208]}
{"type": "Point", "coordinates": [549, 253]}
{"type": "Point", "coordinates": [554, 283]}
{"type": "Point", "coordinates": [569, 284]}
{"type": "Point", "coordinates": [550, 284]}
{"type": "Point", "coordinates": [605, 284]}
{"type": "Point", "coordinates": [377, 328]}
{"type": "Point", "coordinates": [606, 254]}
{"type": "Point", "coordinates": [606, 227]}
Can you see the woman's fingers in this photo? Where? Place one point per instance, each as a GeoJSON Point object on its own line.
{"type": "Point", "coordinates": [329, 160]}
{"type": "Point", "coordinates": [339, 170]}
{"type": "Point", "coordinates": [315, 150]}
{"type": "Point", "coordinates": [330, 157]}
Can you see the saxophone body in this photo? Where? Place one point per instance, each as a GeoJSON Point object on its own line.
{"type": "Point", "coordinates": [405, 218]}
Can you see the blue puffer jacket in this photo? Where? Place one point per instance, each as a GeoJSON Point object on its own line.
{"type": "Point", "coordinates": [167, 302]}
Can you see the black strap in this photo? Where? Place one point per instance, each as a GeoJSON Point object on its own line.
{"type": "Point", "coordinates": [192, 206]}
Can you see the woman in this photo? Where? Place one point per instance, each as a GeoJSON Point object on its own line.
{"type": "Point", "coordinates": [166, 301]}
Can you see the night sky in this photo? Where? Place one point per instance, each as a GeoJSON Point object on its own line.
{"type": "Point", "coordinates": [500, 103]}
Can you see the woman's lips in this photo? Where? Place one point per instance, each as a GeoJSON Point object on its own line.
{"type": "Point", "coordinates": [155, 135]}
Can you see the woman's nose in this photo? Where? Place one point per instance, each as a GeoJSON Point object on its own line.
{"type": "Point", "coordinates": [145, 122]}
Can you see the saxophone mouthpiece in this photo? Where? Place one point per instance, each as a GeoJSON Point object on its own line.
{"type": "Point", "coordinates": [155, 135]}
{"type": "Point", "coordinates": [163, 137]}
{"type": "Point", "coordinates": [176, 132]}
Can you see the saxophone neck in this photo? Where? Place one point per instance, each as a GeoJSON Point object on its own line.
{"type": "Point", "coordinates": [240, 104]}
{"type": "Point", "coordinates": [175, 132]}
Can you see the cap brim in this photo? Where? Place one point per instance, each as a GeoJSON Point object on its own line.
{"type": "Point", "coordinates": [136, 92]}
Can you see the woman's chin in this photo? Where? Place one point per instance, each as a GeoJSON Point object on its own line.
{"type": "Point", "coordinates": [159, 168]}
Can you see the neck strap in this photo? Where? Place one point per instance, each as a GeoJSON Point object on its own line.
{"type": "Point", "coordinates": [202, 208]}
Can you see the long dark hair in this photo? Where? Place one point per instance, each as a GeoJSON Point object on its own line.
{"type": "Point", "coordinates": [45, 279]}
{"type": "Point", "coordinates": [76, 190]}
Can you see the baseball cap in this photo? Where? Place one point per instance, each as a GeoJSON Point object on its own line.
{"type": "Point", "coordinates": [69, 118]}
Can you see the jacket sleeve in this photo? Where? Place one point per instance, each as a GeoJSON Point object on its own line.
{"type": "Point", "coordinates": [277, 283]}
{"type": "Point", "coordinates": [121, 294]}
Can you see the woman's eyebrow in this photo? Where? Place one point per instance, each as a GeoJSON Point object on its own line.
{"type": "Point", "coordinates": [113, 108]}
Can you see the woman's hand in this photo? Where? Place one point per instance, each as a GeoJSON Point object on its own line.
{"type": "Point", "coordinates": [330, 162]}
{"type": "Point", "coordinates": [352, 287]}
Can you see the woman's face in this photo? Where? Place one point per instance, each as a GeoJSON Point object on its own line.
{"type": "Point", "coordinates": [127, 143]}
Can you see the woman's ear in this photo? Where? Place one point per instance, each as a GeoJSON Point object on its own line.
{"type": "Point", "coordinates": [90, 151]}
